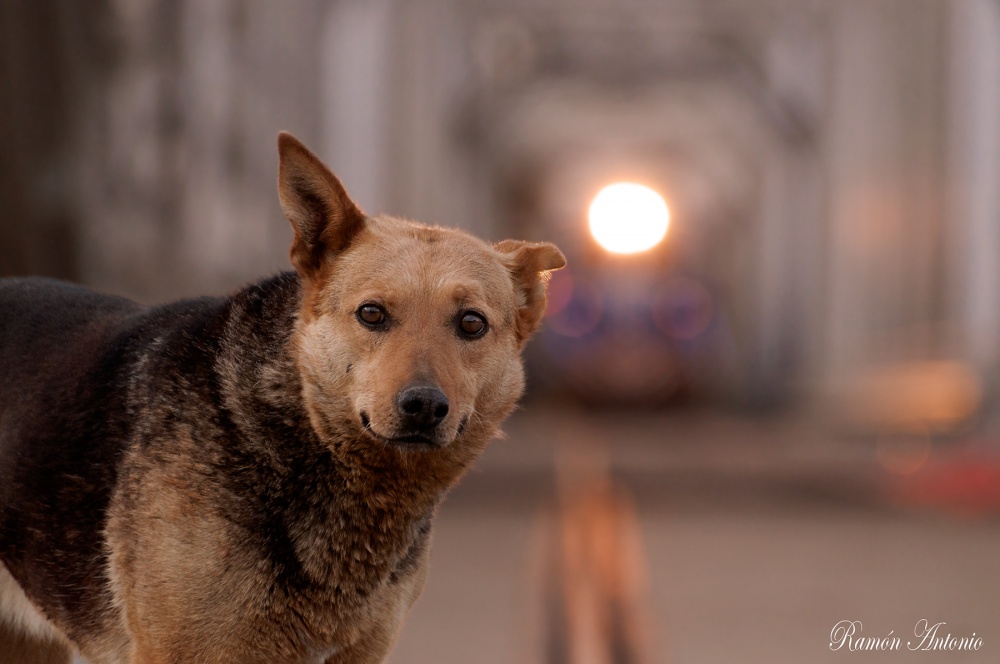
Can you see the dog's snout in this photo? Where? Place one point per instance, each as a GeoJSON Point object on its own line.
{"type": "Point", "coordinates": [422, 407]}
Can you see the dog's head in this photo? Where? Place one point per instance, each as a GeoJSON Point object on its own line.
{"type": "Point", "coordinates": [409, 337]}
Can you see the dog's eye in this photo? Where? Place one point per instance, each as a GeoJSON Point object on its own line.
{"type": "Point", "coordinates": [371, 315]}
{"type": "Point", "coordinates": [472, 324]}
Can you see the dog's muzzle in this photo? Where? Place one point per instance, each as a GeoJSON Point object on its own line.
{"type": "Point", "coordinates": [421, 408]}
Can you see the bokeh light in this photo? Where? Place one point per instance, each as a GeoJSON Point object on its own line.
{"type": "Point", "coordinates": [626, 218]}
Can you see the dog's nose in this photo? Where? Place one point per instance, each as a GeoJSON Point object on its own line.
{"type": "Point", "coordinates": [422, 407]}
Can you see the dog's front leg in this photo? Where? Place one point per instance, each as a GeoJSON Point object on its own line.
{"type": "Point", "coordinates": [374, 645]}
{"type": "Point", "coordinates": [373, 648]}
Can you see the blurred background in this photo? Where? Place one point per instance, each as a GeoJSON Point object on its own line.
{"type": "Point", "coordinates": [783, 414]}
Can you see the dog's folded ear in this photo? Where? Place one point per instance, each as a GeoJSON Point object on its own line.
{"type": "Point", "coordinates": [530, 265]}
{"type": "Point", "coordinates": [323, 216]}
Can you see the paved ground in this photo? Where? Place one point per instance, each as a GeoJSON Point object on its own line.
{"type": "Point", "coordinates": [760, 537]}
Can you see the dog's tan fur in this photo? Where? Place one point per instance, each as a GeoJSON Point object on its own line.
{"type": "Point", "coordinates": [186, 581]}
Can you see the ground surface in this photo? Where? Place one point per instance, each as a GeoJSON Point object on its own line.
{"type": "Point", "coordinates": [760, 537]}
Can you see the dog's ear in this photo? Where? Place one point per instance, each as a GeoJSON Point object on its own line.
{"type": "Point", "coordinates": [530, 265]}
{"type": "Point", "coordinates": [323, 216]}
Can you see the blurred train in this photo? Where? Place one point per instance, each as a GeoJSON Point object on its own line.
{"type": "Point", "coordinates": [630, 321]}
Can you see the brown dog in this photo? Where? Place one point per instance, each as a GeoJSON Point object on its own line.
{"type": "Point", "coordinates": [251, 479]}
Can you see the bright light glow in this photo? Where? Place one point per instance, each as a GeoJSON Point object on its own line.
{"type": "Point", "coordinates": [626, 218]}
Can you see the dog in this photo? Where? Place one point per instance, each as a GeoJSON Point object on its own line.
{"type": "Point", "coordinates": [252, 478]}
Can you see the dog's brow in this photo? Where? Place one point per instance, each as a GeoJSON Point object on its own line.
{"type": "Point", "coordinates": [377, 296]}
{"type": "Point", "coordinates": [465, 293]}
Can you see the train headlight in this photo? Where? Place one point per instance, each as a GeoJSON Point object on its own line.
{"type": "Point", "coordinates": [626, 218]}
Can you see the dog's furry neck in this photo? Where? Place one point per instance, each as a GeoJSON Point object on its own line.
{"type": "Point", "coordinates": [350, 509]}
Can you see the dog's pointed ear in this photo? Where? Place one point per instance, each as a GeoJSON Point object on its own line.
{"type": "Point", "coordinates": [530, 264]}
{"type": "Point", "coordinates": [323, 216]}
